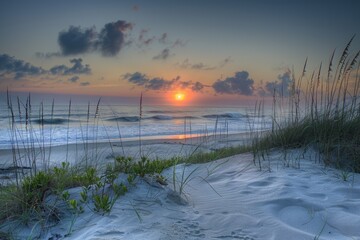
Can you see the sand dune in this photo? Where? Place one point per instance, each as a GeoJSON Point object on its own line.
{"type": "Point", "coordinates": [232, 199]}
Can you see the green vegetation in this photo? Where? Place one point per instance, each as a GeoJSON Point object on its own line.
{"type": "Point", "coordinates": [331, 122]}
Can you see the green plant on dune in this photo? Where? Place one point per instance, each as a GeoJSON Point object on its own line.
{"type": "Point", "coordinates": [142, 167]}
{"type": "Point", "coordinates": [104, 200]}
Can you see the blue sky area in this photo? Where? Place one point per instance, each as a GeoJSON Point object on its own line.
{"type": "Point", "coordinates": [213, 51]}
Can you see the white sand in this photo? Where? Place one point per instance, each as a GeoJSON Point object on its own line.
{"type": "Point", "coordinates": [231, 199]}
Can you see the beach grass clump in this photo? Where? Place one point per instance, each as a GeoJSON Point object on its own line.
{"type": "Point", "coordinates": [325, 115]}
{"type": "Point", "coordinates": [204, 157]}
{"type": "Point", "coordinates": [41, 200]}
{"type": "Point", "coordinates": [142, 167]}
{"type": "Point", "coordinates": [29, 197]}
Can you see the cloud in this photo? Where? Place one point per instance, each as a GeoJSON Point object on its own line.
{"type": "Point", "coordinates": [143, 40]}
{"type": "Point", "coordinates": [202, 66]}
{"type": "Point", "coordinates": [282, 86]}
{"type": "Point", "coordinates": [225, 62]}
{"type": "Point", "coordinates": [197, 87]}
{"type": "Point", "coordinates": [136, 78]}
{"type": "Point", "coordinates": [77, 68]}
{"type": "Point", "coordinates": [179, 43]}
{"type": "Point", "coordinates": [111, 37]}
{"type": "Point", "coordinates": [240, 84]}
{"type": "Point", "coordinates": [84, 84]}
{"type": "Point", "coordinates": [157, 83]}
{"type": "Point", "coordinates": [196, 66]}
{"type": "Point", "coordinates": [73, 79]}
{"type": "Point", "coordinates": [163, 38]}
{"type": "Point", "coordinates": [18, 68]}
{"type": "Point", "coordinates": [165, 54]}
{"type": "Point", "coordinates": [47, 55]}
{"type": "Point", "coordinates": [76, 40]}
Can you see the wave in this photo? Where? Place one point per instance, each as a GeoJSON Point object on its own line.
{"type": "Point", "coordinates": [162, 111]}
{"type": "Point", "coordinates": [161, 117]}
{"type": "Point", "coordinates": [50, 121]}
{"type": "Point", "coordinates": [125, 119]}
{"type": "Point", "coordinates": [167, 117]}
{"type": "Point", "coordinates": [225, 115]}
{"type": "Point", "coordinates": [155, 117]}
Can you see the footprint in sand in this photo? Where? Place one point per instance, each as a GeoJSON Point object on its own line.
{"type": "Point", "coordinates": [297, 213]}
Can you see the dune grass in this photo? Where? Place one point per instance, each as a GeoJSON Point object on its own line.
{"type": "Point", "coordinates": [324, 115]}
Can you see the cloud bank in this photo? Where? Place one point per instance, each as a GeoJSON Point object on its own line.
{"type": "Point", "coordinates": [18, 69]}
{"type": "Point", "coordinates": [157, 83]}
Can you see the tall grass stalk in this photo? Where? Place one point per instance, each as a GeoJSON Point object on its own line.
{"type": "Point", "coordinates": [67, 133]}
{"type": "Point", "coordinates": [140, 117]}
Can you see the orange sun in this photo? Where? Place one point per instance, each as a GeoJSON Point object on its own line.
{"type": "Point", "coordinates": [179, 97]}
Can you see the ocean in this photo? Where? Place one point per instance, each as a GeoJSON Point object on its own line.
{"type": "Point", "coordinates": [45, 124]}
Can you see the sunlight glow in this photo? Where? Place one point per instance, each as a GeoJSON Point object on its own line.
{"type": "Point", "coordinates": [179, 96]}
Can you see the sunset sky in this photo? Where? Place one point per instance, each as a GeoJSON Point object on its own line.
{"type": "Point", "coordinates": [211, 51]}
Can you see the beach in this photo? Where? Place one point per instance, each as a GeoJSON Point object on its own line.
{"type": "Point", "coordinates": [180, 120]}
{"type": "Point", "coordinates": [293, 198]}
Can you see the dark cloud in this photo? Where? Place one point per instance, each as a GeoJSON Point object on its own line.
{"type": "Point", "coordinates": [76, 40]}
{"type": "Point", "coordinates": [282, 86]}
{"type": "Point", "coordinates": [111, 37]}
{"type": "Point", "coordinates": [157, 83]}
{"type": "Point", "coordinates": [136, 78]}
{"type": "Point", "coordinates": [197, 87]}
{"type": "Point", "coordinates": [84, 84]}
{"type": "Point", "coordinates": [18, 68]}
{"type": "Point", "coordinates": [77, 68]}
{"type": "Point", "coordinates": [73, 79]}
{"type": "Point", "coordinates": [240, 84]}
{"type": "Point", "coordinates": [165, 54]}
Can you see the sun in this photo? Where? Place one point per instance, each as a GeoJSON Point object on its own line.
{"type": "Point", "coordinates": [179, 96]}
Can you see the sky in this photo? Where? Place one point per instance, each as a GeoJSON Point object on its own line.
{"type": "Point", "coordinates": [210, 50]}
